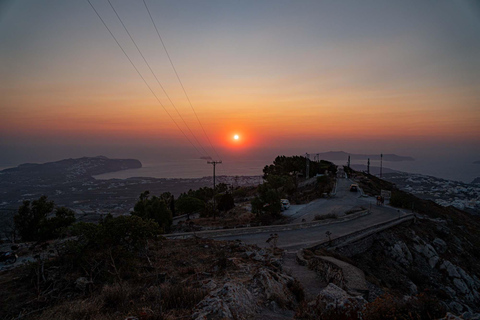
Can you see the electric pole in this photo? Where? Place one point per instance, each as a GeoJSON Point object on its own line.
{"type": "Point", "coordinates": [368, 166]}
{"type": "Point", "coordinates": [348, 163]}
{"type": "Point", "coordinates": [307, 170]}
{"type": "Point", "coordinates": [381, 164]}
{"type": "Point", "coordinates": [214, 163]}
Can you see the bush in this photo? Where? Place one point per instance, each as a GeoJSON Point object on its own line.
{"type": "Point", "coordinates": [225, 202]}
{"type": "Point", "coordinates": [33, 224]}
{"type": "Point", "coordinates": [188, 205]}
{"type": "Point", "coordinates": [325, 216]}
{"type": "Point", "coordinates": [112, 247]}
{"type": "Point", "coordinates": [155, 209]}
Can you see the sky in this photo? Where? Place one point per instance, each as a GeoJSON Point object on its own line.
{"type": "Point", "coordinates": [304, 76]}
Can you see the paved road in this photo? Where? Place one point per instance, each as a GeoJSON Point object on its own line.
{"type": "Point", "coordinates": [345, 200]}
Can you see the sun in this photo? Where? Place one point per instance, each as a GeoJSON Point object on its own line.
{"type": "Point", "coordinates": [236, 137]}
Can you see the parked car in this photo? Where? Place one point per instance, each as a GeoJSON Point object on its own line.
{"type": "Point", "coordinates": [354, 187]}
{"type": "Point", "coordinates": [285, 204]}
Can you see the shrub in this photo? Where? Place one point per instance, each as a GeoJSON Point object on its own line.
{"type": "Point", "coordinates": [153, 208]}
{"type": "Point", "coordinates": [225, 202]}
{"type": "Point", "coordinates": [325, 216]}
{"type": "Point", "coordinates": [188, 205]}
{"type": "Point", "coordinates": [33, 224]}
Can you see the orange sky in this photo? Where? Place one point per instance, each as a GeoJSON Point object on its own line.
{"type": "Point", "coordinates": [276, 73]}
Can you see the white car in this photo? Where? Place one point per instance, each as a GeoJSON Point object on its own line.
{"type": "Point", "coordinates": [285, 204]}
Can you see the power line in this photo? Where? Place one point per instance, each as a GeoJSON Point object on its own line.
{"type": "Point", "coordinates": [179, 80]}
{"type": "Point", "coordinates": [146, 83]}
{"type": "Point", "coordinates": [155, 76]}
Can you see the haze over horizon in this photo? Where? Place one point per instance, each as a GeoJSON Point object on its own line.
{"type": "Point", "coordinates": [286, 77]}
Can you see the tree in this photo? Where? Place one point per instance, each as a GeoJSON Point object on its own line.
{"type": "Point", "coordinates": [30, 215]}
{"type": "Point", "coordinates": [225, 202]}
{"type": "Point", "coordinates": [153, 208]}
{"type": "Point", "coordinates": [267, 200]}
{"type": "Point", "coordinates": [188, 205]}
{"type": "Point", "coordinates": [54, 227]}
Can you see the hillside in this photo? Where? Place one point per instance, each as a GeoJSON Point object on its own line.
{"type": "Point", "coordinates": [341, 155]}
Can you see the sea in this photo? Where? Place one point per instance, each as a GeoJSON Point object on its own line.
{"type": "Point", "coordinates": [446, 168]}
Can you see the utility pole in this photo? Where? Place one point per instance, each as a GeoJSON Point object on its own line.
{"type": "Point", "coordinates": [214, 163]}
{"type": "Point", "coordinates": [348, 163]}
{"type": "Point", "coordinates": [307, 170]}
{"type": "Point", "coordinates": [368, 166]}
{"type": "Point", "coordinates": [381, 164]}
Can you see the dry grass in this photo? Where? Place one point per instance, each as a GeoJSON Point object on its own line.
{"type": "Point", "coordinates": [167, 285]}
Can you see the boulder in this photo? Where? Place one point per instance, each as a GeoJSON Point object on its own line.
{"type": "Point", "coordinates": [440, 245]}
{"type": "Point", "coordinates": [335, 297]}
{"type": "Point", "coordinates": [275, 286]}
{"type": "Point", "coordinates": [400, 253]}
{"type": "Point", "coordinates": [450, 268]}
{"type": "Point", "coordinates": [461, 286]}
{"type": "Point", "coordinates": [232, 301]}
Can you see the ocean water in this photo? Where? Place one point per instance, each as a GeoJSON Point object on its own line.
{"type": "Point", "coordinates": [446, 168]}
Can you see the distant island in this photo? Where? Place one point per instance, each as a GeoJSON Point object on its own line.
{"type": "Point", "coordinates": [67, 170]}
{"type": "Point", "coordinates": [476, 162]}
{"type": "Point", "coordinates": [342, 155]}
{"type": "Point", "coordinates": [476, 180]}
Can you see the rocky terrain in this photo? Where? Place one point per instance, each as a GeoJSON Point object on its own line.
{"type": "Point", "coordinates": [465, 196]}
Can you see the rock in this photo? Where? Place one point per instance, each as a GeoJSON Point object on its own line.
{"type": "Point", "coordinates": [468, 280]}
{"type": "Point", "coordinates": [82, 283]}
{"type": "Point", "coordinates": [209, 285]}
{"type": "Point", "coordinates": [275, 286]}
{"type": "Point", "coordinates": [433, 261]}
{"type": "Point", "coordinates": [232, 301]}
{"type": "Point", "coordinates": [440, 245]}
{"type": "Point", "coordinates": [426, 250]}
{"type": "Point", "coordinates": [335, 297]}
{"type": "Point", "coordinates": [461, 286]}
{"type": "Point", "coordinates": [450, 316]}
{"type": "Point", "coordinates": [400, 253]}
{"type": "Point", "coordinates": [450, 268]}
{"type": "Point", "coordinates": [455, 306]}
{"type": "Point", "coordinates": [413, 288]}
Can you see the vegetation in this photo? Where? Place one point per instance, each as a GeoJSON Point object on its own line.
{"type": "Point", "coordinates": [225, 202]}
{"type": "Point", "coordinates": [34, 220]}
{"type": "Point", "coordinates": [188, 205]}
{"type": "Point", "coordinates": [153, 208]}
{"type": "Point", "coordinates": [325, 216]}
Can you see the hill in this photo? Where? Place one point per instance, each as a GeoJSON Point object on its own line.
{"type": "Point", "coordinates": [341, 155]}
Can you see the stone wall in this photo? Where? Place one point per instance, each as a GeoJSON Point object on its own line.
{"type": "Point", "coordinates": [329, 271]}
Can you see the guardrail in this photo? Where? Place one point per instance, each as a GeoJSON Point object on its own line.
{"type": "Point", "coordinates": [253, 230]}
{"type": "Point", "coordinates": [360, 234]}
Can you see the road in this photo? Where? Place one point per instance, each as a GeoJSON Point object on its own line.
{"type": "Point", "coordinates": [344, 200]}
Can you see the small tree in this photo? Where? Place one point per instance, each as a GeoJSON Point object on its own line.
{"type": "Point", "coordinates": [33, 223]}
{"type": "Point", "coordinates": [267, 200]}
{"type": "Point", "coordinates": [29, 216]}
{"type": "Point", "coordinates": [153, 208]}
{"type": "Point", "coordinates": [188, 205]}
{"type": "Point", "coordinates": [54, 227]}
{"type": "Point", "coordinates": [225, 202]}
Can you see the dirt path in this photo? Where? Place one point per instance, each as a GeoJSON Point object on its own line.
{"type": "Point", "coordinates": [309, 279]}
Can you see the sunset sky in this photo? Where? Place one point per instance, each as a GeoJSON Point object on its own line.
{"type": "Point", "coordinates": [312, 76]}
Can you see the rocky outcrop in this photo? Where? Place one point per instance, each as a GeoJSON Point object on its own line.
{"type": "Point", "coordinates": [274, 286]}
{"type": "Point", "coordinates": [335, 297]}
{"type": "Point", "coordinates": [264, 286]}
{"type": "Point", "coordinates": [400, 253]}
{"type": "Point", "coordinates": [232, 301]}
